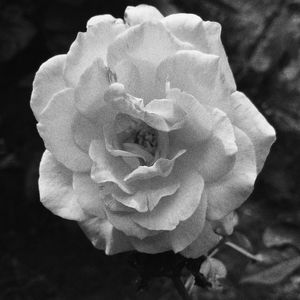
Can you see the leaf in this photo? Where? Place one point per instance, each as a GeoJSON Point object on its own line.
{"type": "Point", "coordinates": [281, 235]}
{"type": "Point", "coordinates": [274, 274]}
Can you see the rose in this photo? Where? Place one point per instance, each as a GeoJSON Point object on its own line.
{"type": "Point", "coordinates": [149, 145]}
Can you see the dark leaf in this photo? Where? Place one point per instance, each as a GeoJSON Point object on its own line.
{"type": "Point", "coordinates": [281, 235]}
{"type": "Point", "coordinates": [274, 274]}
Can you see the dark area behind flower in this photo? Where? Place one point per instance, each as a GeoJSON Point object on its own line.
{"type": "Point", "coordinates": [45, 257]}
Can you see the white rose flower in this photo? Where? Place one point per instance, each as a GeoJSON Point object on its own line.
{"type": "Point", "coordinates": [149, 145]}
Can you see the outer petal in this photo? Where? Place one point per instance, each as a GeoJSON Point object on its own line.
{"type": "Point", "coordinates": [142, 13]}
{"type": "Point", "coordinates": [47, 82]}
{"type": "Point", "coordinates": [100, 19]}
{"type": "Point", "coordinates": [105, 237]}
{"type": "Point", "coordinates": [89, 197]}
{"type": "Point", "coordinates": [253, 123]}
{"type": "Point", "coordinates": [179, 238]}
{"type": "Point", "coordinates": [198, 74]}
{"type": "Point", "coordinates": [198, 121]}
{"type": "Point", "coordinates": [55, 127]}
{"type": "Point", "coordinates": [89, 46]}
{"type": "Point", "coordinates": [108, 169]}
{"type": "Point", "coordinates": [205, 36]}
{"type": "Point", "coordinates": [216, 157]}
{"type": "Point", "coordinates": [142, 48]}
{"type": "Point", "coordinates": [230, 191]}
{"type": "Point", "coordinates": [56, 192]}
{"type": "Point", "coordinates": [178, 207]}
{"type": "Point", "coordinates": [84, 132]}
{"type": "Point", "coordinates": [147, 41]}
{"type": "Point", "coordinates": [89, 93]}
{"type": "Point", "coordinates": [206, 240]}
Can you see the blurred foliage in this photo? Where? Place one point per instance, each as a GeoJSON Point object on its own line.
{"type": "Point", "coordinates": [44, 257]}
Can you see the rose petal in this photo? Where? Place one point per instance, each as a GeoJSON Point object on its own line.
{"type": "Point", "coordinates": [84, 132]}
{"type": "Point", "coordinates": [89, 46]}
{"type": "Point", "coordinates": [149, 194]}
{"type": "Point", "coordinates": [198, 74]}
{"type": "Point", "coordinates": [89, 93]}
{"type": "Point", "coordinates": [134, 107]}
{"type": "Point", "coordinates": [107, 169]}
{"type": "Point", "coordinates": [56, 192]}
{"type": "Point", "coordinates": [198, 124]}
{"type": "Point", "coordinates": [145, 46]}
{"type": "Point", "coordinates": [129, 75]}
{"type": "Point", "coordinates": [162, 167]}
{"type": "Point", "coordinates": [231, 190]}
{"type": "Point", "coordinates": [148, 41]}
{"type": "Point", "coordinates": [167, 109]}
{"type": "Point", "coordinates": [89, 197]}
{"type": "Point", "coordinates": [169, 212]}
{"type": "Point", "coordinates": [216, 157]}
{"type": "Point", "coordinates": [252, 122]}
{"type": "Point", "coordinates": [187, 231]}
{"type": "Point", "coordinates": [113, 147]}
{"type": "Point", "coordinates": [115, 206]}
{"type": "Point", "coordinates": [142, 13]}
{"type": "Point", "coordinates": [105, 237]}
{"type": "Point", "coordinates": [206, 240]}
{"type": "Point", "coordinates": [179, 238]}
{"type": "Point", "coordinates": [55, 127]}
{"type": "Point", "coordinates": [204, 36]}
{"type": "Point", "coordinates": [47, 82]}
{"type": "Point", "coordinates": [100, 19]}
{"type": "Point", "coordinates": [124, 223]}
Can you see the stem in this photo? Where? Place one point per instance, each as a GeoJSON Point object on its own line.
{"type": "Point", "coordinates": [243, 251]}
{"type": "Point", "coordinates": [180, 288]}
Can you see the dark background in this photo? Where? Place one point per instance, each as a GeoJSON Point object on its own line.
{"type": "Point", "coordinates": [45, 257]}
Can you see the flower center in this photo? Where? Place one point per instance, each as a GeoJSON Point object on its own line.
{"type": "Point", "coordinates": [137, 137]}
{"type": "Point", "coordinates": [147, 138]}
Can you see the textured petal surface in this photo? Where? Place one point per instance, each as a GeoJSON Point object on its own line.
{"type": "Point", "coordinates": [204, 36]}
{"type": "Point", "coordinates": [206, 240]}
{"type": "Point", "coordinates": [178, 207]}
{"type": "Point", "coordinates": [89, 46]}
{"type": "Point", "coordinates": [56, 191]}
{"type": "Point", "coordinates": [134, 107]}
{"type": "Point", "coordinates": [149, 194]}
{"type": "Point", "coordinates": [162, 167]}
{"type": "Point", "coordinates": [147, 41]}
{"type": "Point", "coordinates": [179, 238]}
{"type": "Point", "coordinates": [143, 47]}
{"type": "Point", "coordinates": [90, 90]}
{"type": "Point", "coordinates": [55, 127]}
{"type": "Point", "coordinates": [253, 123]}
{"type": "Point", "coordinates": [100, 19]}
{"type": "Point", "coordinates": [105, 237]}
{"type": "Point", "coordinates": [108, 169]}
{"type": "Point", "coordinates": [198, 122]}
{"type": "Point", "coordinates": [216, 157]}
{"type": "Point", "coordinates": [88, 193]}
{"type": "Point", "coordinates": [142, 13]}
{"type": "Point", "coordinates": [230, 191]}
{"type": "Point", "coordinates": [198, 74]}
{"type": "Point", "coordinates": [124, 223]}
{"type": "Point", "coordinates": [84, 132]}
{"type": "Point", "coordinates": [47, 82]}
